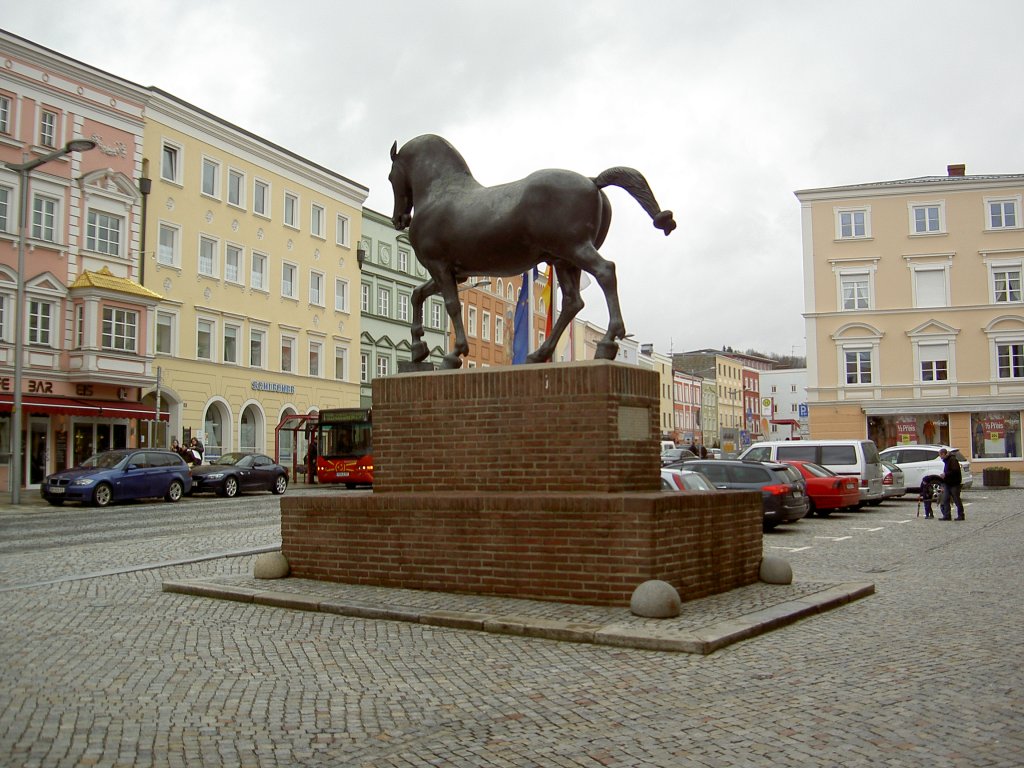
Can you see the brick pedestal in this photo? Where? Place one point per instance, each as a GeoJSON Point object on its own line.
{"type": "Point", "coordinates": [529, 481]}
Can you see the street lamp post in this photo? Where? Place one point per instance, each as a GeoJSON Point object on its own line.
{"type": "Point", "coordinates": [24, 169]}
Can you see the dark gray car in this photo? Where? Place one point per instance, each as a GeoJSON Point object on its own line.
{"type": "Point", "coordinates": [783, 497]}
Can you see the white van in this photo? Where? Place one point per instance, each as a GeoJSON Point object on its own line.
{"type": "Point", "coordinates": [844, 457]}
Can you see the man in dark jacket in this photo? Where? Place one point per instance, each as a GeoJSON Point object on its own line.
{"type": "Point", "coordinates": [951, 482]}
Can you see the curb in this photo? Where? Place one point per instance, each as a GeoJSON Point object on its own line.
{"type": "Point", "coordinates": [617, 634]}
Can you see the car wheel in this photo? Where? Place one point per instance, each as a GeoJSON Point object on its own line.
{"type": "Point", "coordinates": [103, 495]}
{"type": "Point", "coordinates": [230, 487]}
{"type": "Point", "coordinates": [56, 502]}
{"type": "Point", "coordinates": [175, 491]}
{"type": "Point", "coordinates": [350, 486]}
{"type": "Point", "coordinates": [280, 485]}
{"type": "Point", "coordinates": [875, 503]}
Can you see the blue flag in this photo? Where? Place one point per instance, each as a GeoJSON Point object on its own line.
{"type": "Point", "coordinates": [521, 325]}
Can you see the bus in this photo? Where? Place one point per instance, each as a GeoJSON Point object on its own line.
{"type": "Point", "coordinates": [345, 446]}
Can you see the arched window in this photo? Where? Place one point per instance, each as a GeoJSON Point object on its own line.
{"type": "Point", "coordinates": [250, 429]}
{"type": "Point", "coordinates": [213, 426]}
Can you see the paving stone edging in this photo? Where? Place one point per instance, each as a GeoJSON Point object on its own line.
{"type": "Point", "coordinates": [619, 634]}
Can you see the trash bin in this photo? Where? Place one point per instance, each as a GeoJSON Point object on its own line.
{"type": "Point", "coordinates": [996, 477]}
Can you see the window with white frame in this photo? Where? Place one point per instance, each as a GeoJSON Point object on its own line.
{"type": "Point", "coordinates": [168, 250]}
{"type": "Point", "coordinates": [930, 287]}
{"type": "Point", "coordinates": [6, 195]}
{"type": "Point", "coordinates": [5, 114]}
{"type": "Point", "coordinates": [120, 327]}
{"type": "Point", "coordinates": [471, 321]}
{"type": "Point", "coordinates": [1006, 283]}
{"type": "Point", "coordinates": [236, 188]}
{"type": "Point", "coordinates": [383, 302]}
{"type": "Point", "coordinates": [364, 298]}
{"type": "Point", "coordinates": [288, 354]}
{"type": "Point", "coordinates": [403, 307]}
{"type": "Point", "coordinates": [934, 359]}
{"type": "Point", "coordinates": [316, 220]}
{"type": "Point", "coordinates": [289, 283]}
{"type": "Point", "coordinates": [170, 162]}
{"type": "Point", "coordinates": [316, 288]}
{"type": "Point", "coordinates": [855, 289]}
{"type": "Point", "coordinates": [1010, 359]}
{"type": "Point", "coordinates": [341, 363]}
{"type": "Point", "coordinates": [232, 336]}
{"type": "Point", "coordinates": [258, 272]}
{"type": "Point", "coordinates": [166, 323]}
{"type": "Point", "coordinates": [927, 218]}
{"type": "Point", "coordinates": [233, 264]}
{"type": "Point", "coordinates": [211, 178]}
{"type": "Point", "coordinates": [48, 128]}
{"type": "Point", "coordinates": [257, 348]}
{"type": "Point", "coordinates": [40, 322]}
{"type": "Point", "coordinates": [853, 223]}
{"type": "Point", "coordinates": [1003, 213]}
{"type": "Point", "coordinates": [341, 230]}
{"type": "Point", "coordinates": [340, 294]}
{"type": "Point", "coordinates": [316, 349]}
{"type": "Point", "coordinates": [383, 365]}
{"type": "Point", "coordinates": [44, 218]}
{"type": "Point", "coordinates": [291, 209]}
{"type": "Point", "coordinates": [204, 339]}
{"type": "Point", "coordinates": [364, 367]}
{"type": "Point", "coordinates": [403, 260]}
{"type": "Point", "coordinates": [261, 198]}
{"type": "Point", "coordinates": [485, 325]}
{"type": "Point", "coordinates": [103, 233]}
{"type": "Point", "coordinates": [208, 248]}
{"type": "Point", "coordinates": [499, 330]}
{"type": "Point", "coordinates": [858, 366]}
{"type": "Point", "coordinates": [435, 314]}
{"type": "Point", "coordinates": [79, 326]}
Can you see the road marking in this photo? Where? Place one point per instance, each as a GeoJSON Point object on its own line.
{"type": "Point", "coordinates": [834, 538]}
{"type": "Point", "coordinates": [870, 529]}
{"type": "Point", "coordinates": [898, 522]}
{"type": "Point", "coordinates": [792, 549]}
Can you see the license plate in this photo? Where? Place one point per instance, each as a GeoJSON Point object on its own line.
{"type": "Point", "coordinates": [343, 474]}
{"type": "Point", "coordinates": [56, 490]}
{"type": "Point", "coordinates": [797, 493]}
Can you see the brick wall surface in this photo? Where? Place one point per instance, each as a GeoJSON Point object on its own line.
{"type": "Point", "coordinates": [557, 427]}
{"type": "Point", "coordinates": [590, 548]}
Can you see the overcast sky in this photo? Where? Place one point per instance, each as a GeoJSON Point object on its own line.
{"type": "Point", "coordinates": [726, 107]}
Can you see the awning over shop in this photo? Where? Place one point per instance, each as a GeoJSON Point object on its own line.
{"type": "Point", "coordinates": [106, 409]}
{"type": "Point", "coordinates": [790, 422]}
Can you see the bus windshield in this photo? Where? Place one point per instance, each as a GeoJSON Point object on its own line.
{"type": "Point", "coordinates": [345, 433]}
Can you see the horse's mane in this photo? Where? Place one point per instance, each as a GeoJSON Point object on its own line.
{"type": "Point", "coordinates": [435, 147]}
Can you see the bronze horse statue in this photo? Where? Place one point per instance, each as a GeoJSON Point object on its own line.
{"type": "Point", "coordinates": [461, 228]}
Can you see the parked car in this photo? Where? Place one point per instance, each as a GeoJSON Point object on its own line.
{"type": "Point", "coordinates": [921, 461]}
{"type": "Point", "coordinates": [232, 473]}
{"type": "Point", "coordinates": [858, 458]}
{"type": "Point", "coordinates": [684, 480]}
{"type": "Point", "coordinates": [893, 482]}
{"type": "Point", "coordinates": [676, 454]}
{"type": "Point", "coordinates": [783, 497]}
{"type": "Point", "coordinates": [120, 475]}
{"type": "Point", "coordinates": [714, 453]}
{"type": "Point", "coordinates": [827, 491]}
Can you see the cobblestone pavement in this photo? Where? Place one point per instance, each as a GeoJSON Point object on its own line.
{"type": "Point", "coordinates": [111, 671]}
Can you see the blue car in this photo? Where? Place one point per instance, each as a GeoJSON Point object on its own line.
{"type": "Point", "coordinates": [121, 475]}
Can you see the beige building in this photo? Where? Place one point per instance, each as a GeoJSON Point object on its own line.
{"type": "Point", "coordinates": [913, 305]}
{"type": "Point", "coordinates": [254, 251]}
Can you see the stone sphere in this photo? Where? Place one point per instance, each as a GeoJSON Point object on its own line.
{"type": "Point", "coordinates": [270, 565]}
{"type": "Point", "coordinates": [655, 599]}
{"type": "Point", "coordinates": [775, 570]}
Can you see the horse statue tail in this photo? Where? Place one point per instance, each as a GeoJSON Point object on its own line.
{"type": "Point", "coordinates": [634, 182]}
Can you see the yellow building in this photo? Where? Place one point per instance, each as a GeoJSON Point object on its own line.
{"type": "Point", "coordinates": [253, 249]}
{"type": "Point", "coordinates": [914, 312]}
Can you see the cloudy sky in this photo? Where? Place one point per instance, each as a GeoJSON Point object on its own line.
{"type": "Point", "coordinates": [726, 107]}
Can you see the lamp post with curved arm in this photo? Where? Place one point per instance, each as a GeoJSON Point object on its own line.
{"type": "Point", "coordinates": [24, 169]}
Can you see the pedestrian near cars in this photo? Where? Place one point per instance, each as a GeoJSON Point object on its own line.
{"type": "Point", "coordinates": [951, 482]}
{"type": "Point", "coordinates": [311, 453]}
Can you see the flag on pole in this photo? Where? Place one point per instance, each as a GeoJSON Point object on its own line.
{"type": "Point", "coordinates": [546, 295]}
{"type": "Point", "coordinates": [520, 324]}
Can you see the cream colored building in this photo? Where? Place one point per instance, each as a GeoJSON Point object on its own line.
{"type": "Point", "coordinates": [253, 249]}
{"type": "Point", "coordinates": [661, 365]}
{"type": "Point", "coordinates": [914, 312]}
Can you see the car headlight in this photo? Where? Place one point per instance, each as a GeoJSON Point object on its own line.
{"type": "Point", "coordinates": [84, 481]}
{"type": "Point", "coordinates": [214, 476]}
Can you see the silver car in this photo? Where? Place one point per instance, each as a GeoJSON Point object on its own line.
{"type": "Point", "coordinates": [893, 480]}
{"type": "Point", "coordinates": [919, 461]}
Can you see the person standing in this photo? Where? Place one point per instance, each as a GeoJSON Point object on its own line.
{"type": "Point", "coordinates": [952, 479]}
{"type": "Point", "coordinates": [311, 454]}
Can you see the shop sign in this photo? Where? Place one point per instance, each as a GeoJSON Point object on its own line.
{"type": "Point", "coordinates": [273, 386]}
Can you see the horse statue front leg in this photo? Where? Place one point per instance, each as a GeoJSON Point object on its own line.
{"type": "Point", "coordinates": [453, 306]}
{"type": "Point", "coordinates": [420, 350]}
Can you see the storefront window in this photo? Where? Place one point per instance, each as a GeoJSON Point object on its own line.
{"type": "Point", "coordinates": [213, 426]}
{"type": "Point", "coordinates": [887, 431]}
{"type": "Point", "coordinates": [995, 435]}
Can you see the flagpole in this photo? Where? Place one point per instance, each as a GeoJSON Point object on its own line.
{"type": "Point", "coordinates": [530, 329]}
{"type": "Point", "coordinates": [554, 307]}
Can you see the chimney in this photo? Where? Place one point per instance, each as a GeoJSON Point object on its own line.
{"type": "Point", "coordinates": [956, 170]}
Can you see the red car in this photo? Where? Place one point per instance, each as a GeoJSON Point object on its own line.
{"type": "Point", "coordinates": [826, 490]}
